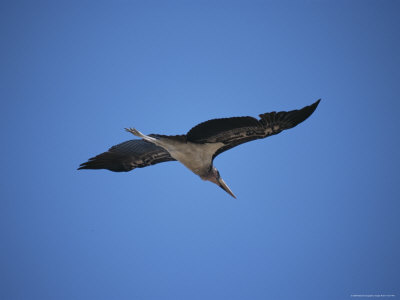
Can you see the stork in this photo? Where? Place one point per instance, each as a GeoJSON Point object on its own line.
{"type": "Point", "coordinates": [197, 149]}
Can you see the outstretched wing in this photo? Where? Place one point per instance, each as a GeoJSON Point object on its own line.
{"type": "Point", "coordinates": [238, 130]}
{"type": "Point", "coordinates": [127, 156]}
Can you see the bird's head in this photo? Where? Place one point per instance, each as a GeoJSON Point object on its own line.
{"type": "Point", "coordinates": [213, 176]}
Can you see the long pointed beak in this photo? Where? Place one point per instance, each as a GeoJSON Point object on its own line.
{"type": "Point", "coordinates": [223, 186]}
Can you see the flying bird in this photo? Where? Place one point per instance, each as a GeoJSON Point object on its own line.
{"type": "Point", "coordinates": [198, 148]}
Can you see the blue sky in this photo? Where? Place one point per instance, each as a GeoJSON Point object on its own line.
{"type": "Point", "coordinates": [317, 209]}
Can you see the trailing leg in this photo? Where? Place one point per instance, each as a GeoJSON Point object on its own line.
{"type": "Point", "coordinates": [143, 136]}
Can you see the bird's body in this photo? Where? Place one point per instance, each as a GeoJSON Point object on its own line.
{"type": "Point", "coordinates": [198, 148]}
{"type": "Point", "coordinates": [196, 157]}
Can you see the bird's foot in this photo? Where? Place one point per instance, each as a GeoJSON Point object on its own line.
{"type": "Point", "coordinates": [143, 136]}
{"type": "Point", "coordinates": [135, 132]}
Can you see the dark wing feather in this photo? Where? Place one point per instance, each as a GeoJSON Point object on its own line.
{"type": "Point", "coordinates": [128, 156]}
{"type": "Point", "coordinates": [238, 130]}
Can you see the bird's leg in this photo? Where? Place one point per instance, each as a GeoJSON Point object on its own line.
{"type": "Point", "coordinates": [135, 132]}
{"type": "Point", "coordinates": [141, 135]}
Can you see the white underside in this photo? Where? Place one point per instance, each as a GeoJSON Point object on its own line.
{"type": "Point", "coordinates": [196, 157]}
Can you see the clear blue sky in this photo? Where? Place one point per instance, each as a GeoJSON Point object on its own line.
{"type": "Point", "coordinates": [317, 214]}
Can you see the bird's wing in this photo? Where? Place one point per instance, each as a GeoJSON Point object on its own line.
{"type": "Point", "coordinates": [128, 156]}
{"type": "Point", "coordinates": [238, 130]}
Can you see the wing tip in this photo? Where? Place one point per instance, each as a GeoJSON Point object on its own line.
{"type": "Point", "coordinates": [315, 104]}
{"type": "Point", "coordinates": [109, 161]}
{"type": "Point", "coordinates": [298, 116]}
{"type": "Point", "coordinates": [83, 166]}
{"type": "Point", "coordinates": [311, 108]}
